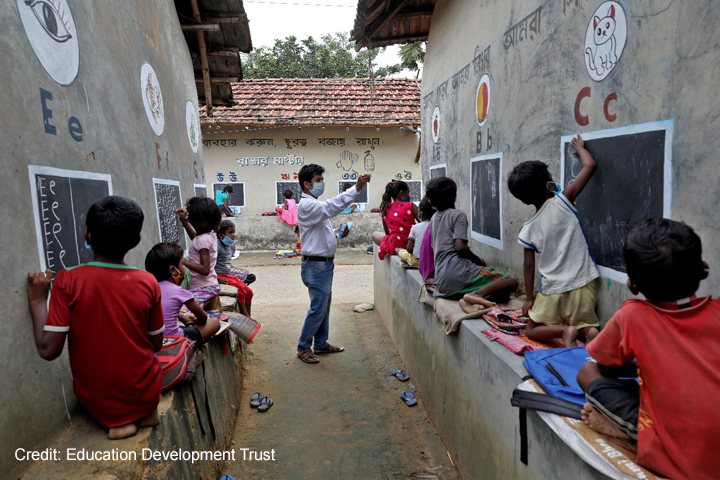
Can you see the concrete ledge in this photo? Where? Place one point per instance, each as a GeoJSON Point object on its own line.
{"type": "Point", "coordinates": [180, 428]}
{"type": "Point", "coordinates": [466, 381]}
{"type": "Point", "coordinates": [255, 232]}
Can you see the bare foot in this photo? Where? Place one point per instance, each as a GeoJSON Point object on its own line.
{"type": "Point", "coordinates": [124, 431]}
{"type": "Point", "coordinates": [469, 308]}
{"type": "Point", "coordinates": [599, 423]}
{"type": "Point", "coordinates": [478, 300]}
{"type": "Point", "coordinates": [570, 335]}
{"type": "Point", "coordinates": [152, 419]}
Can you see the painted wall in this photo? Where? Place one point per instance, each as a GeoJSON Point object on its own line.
{"type": "Point", "coordinates": [548, 72]}
{"type": "Point", "coordinates": [75, 100]}
{"type": "Point", "coordinates": [261, 158]}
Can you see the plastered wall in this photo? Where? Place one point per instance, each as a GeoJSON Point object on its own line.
{"type": "Point", "coordinates": [549, 76]}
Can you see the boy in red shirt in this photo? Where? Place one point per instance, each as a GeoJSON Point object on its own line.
{"type": "Point", "coordinates": [113, 316]}
{"type": "Point", "coordinates": [669, 341]}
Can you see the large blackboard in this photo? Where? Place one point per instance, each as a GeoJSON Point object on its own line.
{"type": "Point", "coordinates": [280, 188]}
{"type": "Point", "coordinates": [363, 196]}
{"type": "Point", "coordinates": [200, 190]}
{"type": "Point", "coordinates": [167, 201]}
{"type": "Point", "coordinates": [61, 200]}
{"type": "Point", "coordinates": [237, 198]}
{"type": "Point", "coordinates": [632, 183]}
{"type": "Point", "coordinates": [438, 171]}
{"type": "Point", "coordinates": [416, 191]}
{"type": "Point", "coordinates": [486, 199]}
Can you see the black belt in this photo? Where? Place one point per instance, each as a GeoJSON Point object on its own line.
{"type": "Point", "coordinates": [317, 259]}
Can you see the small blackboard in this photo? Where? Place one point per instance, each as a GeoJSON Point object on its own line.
{"type": "Point", "coordinates": [438, 171]}
{"type": "Point", "coordinates": [416, 191]}
{"type": "Point", "coordinates": [167, 201]}
{"type": "Point", "coordinates": [61, 200]}
{"type": "Point", "coordinates": [363, 196]}
{"type": "Point", "coordinates": [200, 189]}
{"type": "Point", "coordinates": [237, 198]}
{"type": "Point", "coordinates": [632, 183]}
{"type": "Point", "coordinates": [280, 188]}
{"type": "Point", "coordinates": [486, 199]}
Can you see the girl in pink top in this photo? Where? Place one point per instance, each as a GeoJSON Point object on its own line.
{"type": "Point", "coordinates": [288, 212]}
{"type": "Point", "coordinates": [201, 217]}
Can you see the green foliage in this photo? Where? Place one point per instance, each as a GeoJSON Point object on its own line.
{"type": "Point", "coordinates": [412, 55]}
{"type": "Point", "coordinates": [332, 57]}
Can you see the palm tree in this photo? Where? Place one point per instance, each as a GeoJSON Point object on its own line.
{"type": "Point", "coordinates": [412, 55]}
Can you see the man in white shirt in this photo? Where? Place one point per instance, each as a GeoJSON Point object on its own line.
{"type": "Point", "coordinates": [319, 244]}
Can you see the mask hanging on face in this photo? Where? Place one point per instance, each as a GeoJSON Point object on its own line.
{"type": "Point", "coordinates": [553, 187]}
{"type": "Point", "coordinates": [227, 241]}
{"type": "Point", "coordinates": [177, 276]}
{"type": "Point", "coordinates": [317, 190]}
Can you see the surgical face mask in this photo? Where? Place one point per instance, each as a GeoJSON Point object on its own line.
{"type": "Point", "coordinates": [553, 187]}
{"type": "Point", "coordinates": [406, 198]}
{"type": "Point", "coordinates": [317, 189]}
{"type": "Point", "coordinates": [227, 241]}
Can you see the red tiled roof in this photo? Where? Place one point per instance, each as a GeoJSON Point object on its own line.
{"type": "Point", "coordinates": [320, 101]}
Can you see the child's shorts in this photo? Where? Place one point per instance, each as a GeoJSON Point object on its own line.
{"type": "Point", "coordinates": [408, 258]}
{"type": "Point", "coordinates": [486, 276]}
{"type": "Point", "coordinates": [618, 401]}
{"type": "Point", "coordinates": [576, 308]}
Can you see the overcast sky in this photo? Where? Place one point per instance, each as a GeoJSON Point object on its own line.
{"type": "Point", "coordinates": [273, 19]}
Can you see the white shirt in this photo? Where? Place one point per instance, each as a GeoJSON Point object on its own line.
{"type": "Point", "coordinates": [558, 239]}
{"type": "Point", "coordinates": [417, 232]}
{"type": "Point", "coordinates": [316, 233]}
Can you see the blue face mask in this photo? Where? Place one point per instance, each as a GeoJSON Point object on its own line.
{"type": "Point", "coordinates": [88, 246]}
{"type": "Point", "coordinates": [406, 198]}
{"type": "Point", "coordinates": [555, 189]}
{"type": "Point", "coordinates": [227, 241]}
{"type": "Point", "coordinates": [317, 190]}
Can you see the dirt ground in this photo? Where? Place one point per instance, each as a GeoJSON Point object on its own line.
{"type": "Point", "coordinates": [341, 418]}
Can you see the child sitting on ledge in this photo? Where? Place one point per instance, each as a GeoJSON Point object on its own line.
{"type": "Point", "coordinates": [411, 255]}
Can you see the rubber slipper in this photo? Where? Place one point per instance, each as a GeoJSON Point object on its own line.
{"type": "Point", "coordinates": [409, 398]}
{"type": "Point", "coordinates": [401, 375]}
{"type": "Point", "coordinates": [256, 399]}
{"type": "Point", "coordinates": [265, 404]}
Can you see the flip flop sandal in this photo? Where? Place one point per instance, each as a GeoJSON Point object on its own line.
{"type": "Point", "coordinates": [256, 399]}
{"type": "Point", "coordinates": [265, 404]}
{"type": "Point", "coordinates": [401, 375]}
{"type": "Point", "coordinates": [330, 349]}
{"type": "Point", "coordinates": [409, 398]}
{"type": "Point", "coordinates": [307, 356]}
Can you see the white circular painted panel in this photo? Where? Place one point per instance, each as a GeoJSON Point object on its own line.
{"type": "Point", "coordinates": [435, 125]}
{"type": "Point", "coordinates": [50, 28]}
{"type": "Point", "coordinates": [193, 126]}
{"type": "Point", "coordinates": [152, 98]}
{"type": "Point", "coordinates": [605, 40]}
{"type": "Point", "coordinates": [482, 100]}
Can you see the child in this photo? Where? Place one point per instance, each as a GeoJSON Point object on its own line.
{"type": "Point", "coordinates": [165, 262]}
{"type": "Point", "coordinates": [458, 271]}
{"type": "Point", "coordinates": [201, 218]}
{"type": "Point", "coordinates": [398, 215]}
{"type": "Point", "coordinates": [426, 262]}
{"type": "Point", "coordinates": [226, 273]}
{"type": "Point", "coordinates": [411, 256]}
{"type": "Point", "coordinates": [565, 306]}
{"type": "Point", "coordinates": [222, 200]}
{"type": "Point", "coordinates": [288, 212]}
{"type": "Point", "coordinates": [112, 314]}
{"type": "Point", "coordinates": [668, 341]}
{"type": "Point", "coordinates": [298, 247]}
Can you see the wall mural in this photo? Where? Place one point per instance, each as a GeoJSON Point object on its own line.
{"type": "Point", "coordinates": [50, 28]}
{"type": "Point", "coordinates": [152, 98]}
{"type": "Point", "coordinates": [483, 100]}
{"type": "Point", "coordinates": [347, 163]}
{"type": "Point", "coordinates": [193, 126]}
{"type": "Point", "coordinates": [435, 124]}
{"type": "Point", "coordinates": [605, 40]}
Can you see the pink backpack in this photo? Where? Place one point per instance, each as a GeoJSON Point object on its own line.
{"type": "Point", "coordinates": [179, 359]}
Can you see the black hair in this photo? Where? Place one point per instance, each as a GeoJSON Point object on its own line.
{"type": "Point", "coordinates": [528, 181]}
{"type": "Point", "coordinates": [426, 209]}
{"type": "Point", "coordinates": [228, 189]}
{"type": "Point", "coordinates": [392, 190]}
{"type": "Point", "coordinates": [203, 214]}
{"type": "Point", "coordinates": [161, 257]}
{"type": "Point", "coordinates": [114, 224]}
{"type": "Point", "coordinates": [308, 172]}
{"type": "Point", "coordinates": [664, 259]}
{"type": "Point", "coordinates": [441, 192]}
{"type": "Point", "coordinates": [225, 225]}
{"type": "Point", "coordinates": [288, 194]}
{"type": "Point", "coordinates": [297, 229]}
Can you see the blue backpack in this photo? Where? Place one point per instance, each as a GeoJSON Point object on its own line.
{"type": "Point", "coordinates": [556, 371]}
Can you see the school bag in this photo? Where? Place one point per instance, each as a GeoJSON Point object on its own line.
{"type": "Point", "coordinates": [556, 369]}
{"type": "Point", "coordinates": [179, 359]}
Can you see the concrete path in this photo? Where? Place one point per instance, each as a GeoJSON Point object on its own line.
{"type": "Point", "coordinates": [341, 418]}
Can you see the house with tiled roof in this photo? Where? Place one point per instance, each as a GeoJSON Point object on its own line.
{"type": "Point", "coordinates": [275, 126]}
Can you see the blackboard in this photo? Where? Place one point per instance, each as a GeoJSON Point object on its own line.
{"type": "Point", "coordinates": [416, 191]}
{"type": "Point", "coordinates": [61, 200]}
{"type": "Point", "coordinates": [200, 189]}
{"type": "Point", "coordinates": [167, 201]}
{"type": "Point", "coordinates": [280, 188]}
{"type": "Point", "coordinates": [632, 183]}
{"type": "Point", "coordinates": [438, 171]}
{"type": "Point", "coordinates": [237, 198]}
{"type": "Point", "coordinates": [486, 199]}
{"type": "Point", "coordinates": [363, 196]}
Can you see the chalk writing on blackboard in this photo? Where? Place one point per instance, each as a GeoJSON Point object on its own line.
{"type": "Point", "coordinates": [200, 189]}
{"type": "Point", "coordinates": [437, 171]}
{"type": "Point", "coordinates": [280, 188]}
{"type": "Point", "coordinates": [362, 197]}
{"type": "Point", "coordinates": [416, 190]}
{"type": "Point", "coordinates": [486, 199]}
{"type": "Point", "coordinates": [61, 200]}
{"type": "Point", "coordinates": [167, 200]}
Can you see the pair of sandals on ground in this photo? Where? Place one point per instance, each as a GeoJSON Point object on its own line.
{"type": "Point", "coordinates": [309, 355]}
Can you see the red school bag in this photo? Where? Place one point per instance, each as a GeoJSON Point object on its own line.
{"type": "Point", "coordinates": [179, 359]}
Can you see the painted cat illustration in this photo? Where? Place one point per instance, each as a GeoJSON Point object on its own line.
{"type": "Point", "coordinates": [605, 57]}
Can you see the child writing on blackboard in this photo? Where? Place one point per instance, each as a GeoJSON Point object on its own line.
{"type": "Point", "coordinates": [458, 271]}
{"type": "Point", "coordinates": [113, 316]}
{"type": "Point", "coordinates": [200, 218]}
{"type": "Point", "coordinates": [229, 275]}
{"type": "Point", "coordinates": [565, 306]}
{"type": "Point", "coordinates": [288, 212]}
{"type": "Point", "coordinates": [165, 262]}
{"type": "Point", "coordinates": [399, 214]}
{"type": "Point", "coordinates": [222, 200]}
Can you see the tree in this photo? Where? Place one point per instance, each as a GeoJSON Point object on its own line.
{"type": "Point", "coordinates": [412, 55]}
{"type": "Point", "coordinates": [332, 57]}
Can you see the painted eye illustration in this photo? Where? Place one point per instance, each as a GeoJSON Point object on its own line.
{"type": "Point", "coordinates": [599, 31]}
{"type": "Point", "coordinates": [607, 25]}
{"type": "Point", "coordinates": [50, 19]}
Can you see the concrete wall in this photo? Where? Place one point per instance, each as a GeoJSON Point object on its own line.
{"type": "Point", "coordinates": [393, 154]}
{"type": "Point", "coordinates": [667, 71]}
{"type": "Point", "coordinates": [100, 125]}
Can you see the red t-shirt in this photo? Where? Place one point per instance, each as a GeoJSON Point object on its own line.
{"type": "Point", "coordinates": [678, 358]}
{"type": "Point", "coordinates": [109, 312]}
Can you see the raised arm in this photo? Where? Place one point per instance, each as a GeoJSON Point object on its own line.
{"type": "Point", "coordinates": [182, 213]}
{"type": "Point", "coordinates": [588, 168]}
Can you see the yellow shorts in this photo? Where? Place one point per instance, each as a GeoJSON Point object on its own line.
{"type": "Point", "coordinates": [408, 258]}
{"type": "Point", "coordinates": [576, 307]}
